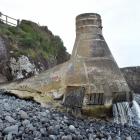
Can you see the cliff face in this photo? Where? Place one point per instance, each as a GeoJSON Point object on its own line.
{"type": "Point", "coordinates": [27, 50]}
{"type": "Point", "coordinates": [132, 76]}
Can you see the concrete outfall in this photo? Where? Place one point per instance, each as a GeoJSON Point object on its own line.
{"type": "Point", "coordinates": [90, 81]}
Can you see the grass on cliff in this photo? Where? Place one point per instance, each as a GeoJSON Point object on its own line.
{"type": "Point", "coordinates": [33, 40]}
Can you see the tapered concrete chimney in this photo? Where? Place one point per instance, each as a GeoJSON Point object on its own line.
{"type": "Point", "coordinates": [89, 22]}
{"type": "Point", "coordinates": [92, 64]}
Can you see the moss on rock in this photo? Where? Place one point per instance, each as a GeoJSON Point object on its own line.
{"type": "Point", "coordinates": [98, 111]}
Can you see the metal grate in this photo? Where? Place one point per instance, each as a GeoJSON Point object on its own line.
{"type": "Point", "coordinates": [96, 99]}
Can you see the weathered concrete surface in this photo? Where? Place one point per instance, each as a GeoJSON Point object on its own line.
{"type": "Point", "coordinates": [132, 76]}
{"type": "Point", "coordinates": [91, 66]}
{"type": "Point", "coordinates": [40, 87]}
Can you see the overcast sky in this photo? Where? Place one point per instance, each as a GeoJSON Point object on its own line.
{"type": "Point", "coordinates": [121, 22]}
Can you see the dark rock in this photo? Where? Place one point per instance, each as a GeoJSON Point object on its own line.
{"type": "Point", "coordinates": [53, 131]}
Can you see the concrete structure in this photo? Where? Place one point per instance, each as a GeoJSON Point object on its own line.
{"type": "Point", "coordinates": [91, 77]}
{"type": "Point", "coordinates": [132, 76]}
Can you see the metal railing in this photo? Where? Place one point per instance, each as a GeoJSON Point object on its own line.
{"type": "Point", "coordinates": [9, 20]}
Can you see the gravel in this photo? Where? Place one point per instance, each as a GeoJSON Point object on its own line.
{"type": "Point", "coordinates": [27, 120]}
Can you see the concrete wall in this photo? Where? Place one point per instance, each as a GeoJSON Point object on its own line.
{"type": "Point", "coordinates": [132, 76]}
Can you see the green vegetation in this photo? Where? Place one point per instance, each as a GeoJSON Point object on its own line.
{"type": "Point", "coordinates": [33, 40]}
{"type": "Point", "coordinates": [98, 111]}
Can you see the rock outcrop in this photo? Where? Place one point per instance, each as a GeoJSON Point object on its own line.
{"type": "Point", "coordinates": [27, 50]}
{"type": "Point", "coordinates": [22, 68]}
{"type": "Point", "coordinates": [132, 76]}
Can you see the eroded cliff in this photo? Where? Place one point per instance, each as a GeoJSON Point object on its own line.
{"type": "Point", "coordinates": [27, 50]}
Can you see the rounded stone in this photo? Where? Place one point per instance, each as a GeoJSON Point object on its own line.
{"type": "Point", "coordinates": [11, 129]}
{"type": "Point", "coordinates": [10, 119]}
{"type": "Point", "coordinates": [68, 137]}
{"type": "Point", "coordinates": [128, 138]}
{"type": "Point", "coordinates": [9, 136]}
{"type": "Point", "coordinates": [43, 130]}
{"type": "Point", "coordinates": [7, 107]}
{"type": "Point", "coordinates": [72, 128]}
{"type": "Point", "coordinates": [1, 121]}
{"type": "Point", "coordinates": [25, 122]}
{"type": "Point", "coordinates": [23, 114]}
{"type": "Point", "coordinates": [47, 111]}
{"type": "Point", "coordinates": [52, 137]}
{"type": "Point", "coordinates": [117, 138]}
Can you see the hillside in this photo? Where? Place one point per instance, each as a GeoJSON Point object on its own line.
{"type": "Point", "coordinates": [28, 49]}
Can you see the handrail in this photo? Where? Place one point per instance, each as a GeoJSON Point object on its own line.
{"type": "Point", "coordinates": [4, 18]}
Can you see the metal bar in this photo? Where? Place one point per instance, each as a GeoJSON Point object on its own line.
{"type": "Point", "coordinates": [9, 17]}
{"type": "Point", "coordinates": [18, 21]}
{"type": "Point", "coordinates": [6, 20]}
{"type": "Point", "coordinates": [11, 23]}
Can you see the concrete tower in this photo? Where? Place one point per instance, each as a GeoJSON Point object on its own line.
{"type": "Point", "coordinates": [92, 65]}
